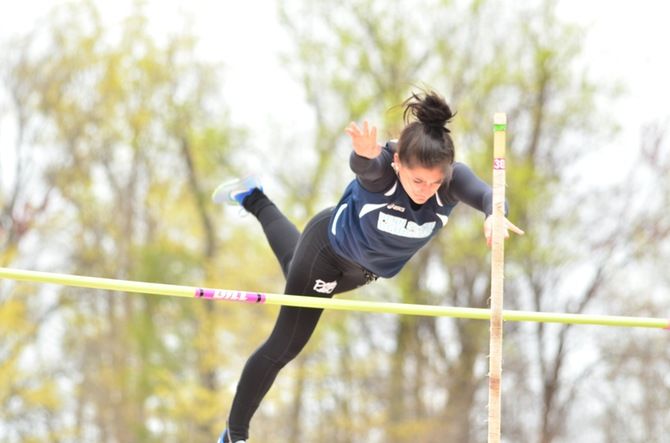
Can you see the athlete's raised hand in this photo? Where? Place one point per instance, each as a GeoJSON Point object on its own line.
{"type": "Point", "coordinates": [364, 140]}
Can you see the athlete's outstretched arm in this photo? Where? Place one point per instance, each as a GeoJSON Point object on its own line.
{"type": "Point", "coordinates": [465, 186]}
{"type": "Point", "coordinates": [369, 161]}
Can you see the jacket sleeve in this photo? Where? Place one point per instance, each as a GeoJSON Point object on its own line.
{"type": "Point", "coordinates": [374, 174]}
{"type": "Point", "coordinates": [465, 186]}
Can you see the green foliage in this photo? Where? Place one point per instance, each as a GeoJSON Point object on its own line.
{"type": "Point", "coordinates": [26, 390]}
{"type": "Point", "coordinates": [133, 134]}
{"type": "Point", "coordinates": [134, 153]}
{"type": "Point", "coordinates": [483, 61]}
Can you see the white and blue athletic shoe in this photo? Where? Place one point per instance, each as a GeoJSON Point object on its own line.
{"type": "Point", "coordinates": [235, 191]}
{"type": "Point", "coordinates": [225, 438]}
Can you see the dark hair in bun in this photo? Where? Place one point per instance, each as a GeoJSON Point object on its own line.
{"type": "Point", "coordinates": [425, 141]}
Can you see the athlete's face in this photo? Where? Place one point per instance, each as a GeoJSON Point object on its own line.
{"type": "Point", "coordinates": [420, 183]}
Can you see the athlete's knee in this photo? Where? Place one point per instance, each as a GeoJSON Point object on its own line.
{"type": "Point", "coordinates": [282, 358]}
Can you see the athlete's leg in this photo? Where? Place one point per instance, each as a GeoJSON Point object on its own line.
{"type": "Point", "coordinates": [315, 270]}
{"type": "Point", "coordinates": [280, 232]}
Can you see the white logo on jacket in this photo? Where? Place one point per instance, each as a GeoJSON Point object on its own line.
{"type": "Point", "coordinates": [402, 227]}
{"type": "Point", "coordinates": [396, 207]}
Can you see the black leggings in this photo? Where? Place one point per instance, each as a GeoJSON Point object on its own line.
{"type": "Point", "coordinates": [311, 267]}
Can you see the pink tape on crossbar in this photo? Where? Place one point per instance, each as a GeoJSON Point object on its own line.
{"type": "Point", "coordinates": [223, 294]}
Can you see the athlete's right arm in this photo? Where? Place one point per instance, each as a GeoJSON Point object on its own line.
{"type": "Point", "coordinates": [369, 161]}
{"type": "Point", "coordinates": [376, 174]}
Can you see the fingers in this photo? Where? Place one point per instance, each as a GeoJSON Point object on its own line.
{"type": "Point", "coordinates": [488, 230]}
{"type": "Point", "coordinates": [509, 226]}
{"type": "Point", "coordinates": [353, 130]}
{"type": "Point", "coordinates": [512, 227]}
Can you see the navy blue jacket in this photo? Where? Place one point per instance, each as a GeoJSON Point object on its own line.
{"type": "Point", "coordinates": [378, 226]}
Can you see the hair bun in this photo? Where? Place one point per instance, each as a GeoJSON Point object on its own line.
{"type": "Point", "coordinates": [431, 110]}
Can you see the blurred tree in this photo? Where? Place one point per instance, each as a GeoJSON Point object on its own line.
{"type": "Point", "coordinates": [137, 141]}
{"type": "Point", "coordinates": [129, 133]}
{"type": "Point", "coordinates": [636, 364]}
{"type": "Point", "coordinates": [27, 393]}
{"type": "Point", "coordinates": [356, 59]}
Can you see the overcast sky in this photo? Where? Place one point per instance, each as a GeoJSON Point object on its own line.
{"type": "Point", "coordinates": [627, 41]}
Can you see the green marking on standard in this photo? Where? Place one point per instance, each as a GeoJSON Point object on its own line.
{"type": "Point", "coordinates": [499, 127]}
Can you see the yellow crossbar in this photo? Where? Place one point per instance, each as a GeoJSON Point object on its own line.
{"type": "Point", "coordinates": [325, 303]}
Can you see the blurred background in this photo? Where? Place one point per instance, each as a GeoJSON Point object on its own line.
{"type": "Point", "coordinates": [118, 119]}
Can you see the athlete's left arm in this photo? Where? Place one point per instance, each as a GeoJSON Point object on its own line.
{"type": "Point", "coordinates": [465, 186]}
